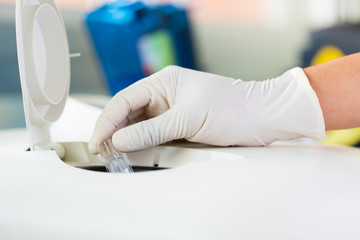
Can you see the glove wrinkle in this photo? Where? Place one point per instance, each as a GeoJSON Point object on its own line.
{"type": "Point", "coordinates": [250, 87]}
{"type": "Point", "coordinates": [147, 89]}
{"type": "Point", "coordinates": [127, 104]}
{"type": "Point", "coordinates": [109, 119]}
{"type": "Point", "coordinates": [201, 126]}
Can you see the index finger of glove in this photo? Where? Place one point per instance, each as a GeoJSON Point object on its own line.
{"type": "Point", "coordinates": [116, 112]}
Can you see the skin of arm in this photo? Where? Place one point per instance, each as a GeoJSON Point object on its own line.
{"type": "Point", "coordinates": [337, 86]}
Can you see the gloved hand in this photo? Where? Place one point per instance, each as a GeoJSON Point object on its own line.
{"type": "Point", "coordinates": [178, 103]}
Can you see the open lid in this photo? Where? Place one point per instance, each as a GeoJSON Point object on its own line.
{"type": "Point", "coordinates": [44, 66]}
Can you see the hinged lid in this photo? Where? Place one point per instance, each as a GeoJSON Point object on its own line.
{"type": "Point", "coordinates": [44, 66]}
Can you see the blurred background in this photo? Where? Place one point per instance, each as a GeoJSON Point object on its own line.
{"type": "Point", "coordinates": [126, 40]}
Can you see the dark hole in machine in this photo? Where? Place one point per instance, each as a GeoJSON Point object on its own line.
{"type": "Point", "coordinates": [135, 168]}
{"type": "Point", "coordinates": [101, 168]}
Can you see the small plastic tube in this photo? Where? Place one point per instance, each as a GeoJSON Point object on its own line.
{"type": "Point", "coordinates": [114, 160]}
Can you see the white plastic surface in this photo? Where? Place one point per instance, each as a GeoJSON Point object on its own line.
{"type": "Point", "coordinates": [50, 56]}
{"type": "Point", "coordinates": [284, 191]}
{"type": "Point", "coordinates": [44, 64]}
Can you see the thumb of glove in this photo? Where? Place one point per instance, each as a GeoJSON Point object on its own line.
{"type": "Point", "coordinates": [148, 133]}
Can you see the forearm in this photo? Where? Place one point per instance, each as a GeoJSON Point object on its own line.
{"type": "Point", "coordinates": [337, 86]}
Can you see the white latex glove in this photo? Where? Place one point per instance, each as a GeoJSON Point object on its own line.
{"type": "Point", "coordinates": [178, 103]}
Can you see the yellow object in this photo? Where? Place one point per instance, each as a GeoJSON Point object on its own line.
{"type": "Point", "coordinates": [348, 137]}
{"type": "Point", "coordinates": [327, 53]}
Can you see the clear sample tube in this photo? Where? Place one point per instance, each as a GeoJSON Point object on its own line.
{"type": "Point", "coordinates": [114, 161]}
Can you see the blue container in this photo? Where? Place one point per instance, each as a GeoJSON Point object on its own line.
{"type": "Point", "coordinates": [133, 40]}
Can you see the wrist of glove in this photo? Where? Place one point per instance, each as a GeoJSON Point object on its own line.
{"type": "Point", "coordinates": [178, 103]}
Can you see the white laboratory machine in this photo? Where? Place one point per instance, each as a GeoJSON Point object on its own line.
{"type": "Point", "coordinates": [51, 187]}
